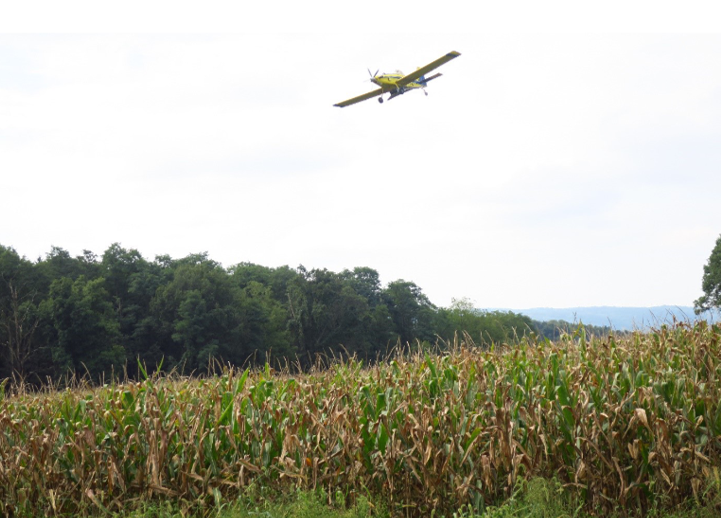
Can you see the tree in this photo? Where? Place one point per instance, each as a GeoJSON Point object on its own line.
{"type": "Point", "coordinates": [202, 313]}
{"type": "Point", "coordinates": [87, 327]}
{"type": "Point", "coordinates": [411, 311]}
{"type": "Point", "coordinates": [20, 317]}
{"type": "Point", "coordinates": [483, 327]}
{"type": "Point", "coordinates": [118, 267]}
{"type": "Point", "coordinates": [366, 283]}
{"type": "Point", "coordinates": [325, 312]}
{"type": "Point", "coordinates": [711, 283]}
{"type": "Point", "coordinates": [277, 279]}
{"type": "Point", "coordinates": [58, 263]}
{"type": "Point", "coordinates": [131, 283]}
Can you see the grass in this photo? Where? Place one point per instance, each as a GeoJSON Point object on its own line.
{"type": "Point", "coordinates": [253, 504]}
{"type": "Point", "coordinates": [623, 424]}
{"type": "Point", "coordinates": [536, 498]}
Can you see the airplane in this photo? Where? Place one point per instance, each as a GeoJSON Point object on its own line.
{"type": "Point", "coordinates": [398, 84]}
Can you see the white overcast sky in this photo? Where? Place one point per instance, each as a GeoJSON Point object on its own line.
{"type": "Point", "coordinates": [570, 157]}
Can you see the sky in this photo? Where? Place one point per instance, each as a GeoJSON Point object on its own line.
{"type": "Point", "coordinates": [569, 157]}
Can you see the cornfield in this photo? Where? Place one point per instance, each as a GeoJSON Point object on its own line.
{"type": "Point", "coordinates": [623, 422]}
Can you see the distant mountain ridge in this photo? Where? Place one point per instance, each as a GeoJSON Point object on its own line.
{"type": "Point", "coordinates": [620, 318]}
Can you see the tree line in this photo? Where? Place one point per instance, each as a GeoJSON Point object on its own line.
{"type": "Point", "coordinates": [100, 315]}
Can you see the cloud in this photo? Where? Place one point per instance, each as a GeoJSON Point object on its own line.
{"type": "Point", "coordinates": [541, 169]}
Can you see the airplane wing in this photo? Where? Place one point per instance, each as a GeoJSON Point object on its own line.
{"type": "Point", "coordinates": [360, 98]}
{"type": "Point", "coordinates": [424, 70]}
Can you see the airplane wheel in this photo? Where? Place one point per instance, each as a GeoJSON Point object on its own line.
{"type": "Point", "coordinates": [380, 100]}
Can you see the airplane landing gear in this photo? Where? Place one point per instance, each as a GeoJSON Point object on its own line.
{"type": "Point", "coordinates": [380, 100]}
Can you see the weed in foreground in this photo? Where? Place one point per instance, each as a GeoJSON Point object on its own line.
{"type": "Point", "coordinates": [306, 504]}
{"type": "Point", "coordinates": [536, 498]}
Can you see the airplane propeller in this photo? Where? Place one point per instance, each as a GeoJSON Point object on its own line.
{"type": "Point", "coordinates": [373, 76]}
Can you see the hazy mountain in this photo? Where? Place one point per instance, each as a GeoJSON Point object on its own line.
{"type": "Point", "coordinates": [621, 318]}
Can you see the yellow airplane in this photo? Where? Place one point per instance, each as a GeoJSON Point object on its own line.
{"type": "Point", "coordinates": [398, 84]}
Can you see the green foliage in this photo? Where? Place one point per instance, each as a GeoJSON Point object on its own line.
{"type": "Point", "coordinates": [539, 498]}
{"type": "Point", "coordinates": [20, 315]}
{"type": "Point", "coordinates": [411, 312]}
{"type": "Point", "coordinates": [555, 329]}
{"type": "Point", "coordinates": [325, 312]}
{"type": "Point", "coordinates": [86, 325]}
{"type": "Point", "coordinates": [483, 327]}
{"type": "Point", "coordinates": [306, 504]}
{"type": "Point", "coordinates": [96, 315]}
{"type": "Point", "coordinates": [711, 283]}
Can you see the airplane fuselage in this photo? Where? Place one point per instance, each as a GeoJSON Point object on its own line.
{"type": "Point", "coordinates": [389, 83]}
